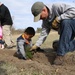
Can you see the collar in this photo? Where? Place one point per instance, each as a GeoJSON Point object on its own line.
{"type": "Point", "coordinates": [23, 36]}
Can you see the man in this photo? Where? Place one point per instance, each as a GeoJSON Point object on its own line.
{"type": "Point", "coordinates": [6, 22]}
{"type": "Point", "coordinates": [56, 16]}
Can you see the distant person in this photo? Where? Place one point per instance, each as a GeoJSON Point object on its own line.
{"type": "Point", "coordinates": [56, 16]}
{"type": "Point", "coordinates": [1, 39]}
{"type": "Point", "coordinates": [23, 42]}
{"type": "Point", "coordinates": [6, 22]}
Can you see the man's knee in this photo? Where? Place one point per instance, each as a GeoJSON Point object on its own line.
{"type": "Point", "coordinates": [66, 22]}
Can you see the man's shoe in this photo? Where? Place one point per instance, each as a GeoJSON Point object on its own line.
{"type": "Point", "coordinates": [59, 60]}
{"type": "Point", "coordinates": [9, 47]}
{"type": "Point", "coordinates": [55, 45]}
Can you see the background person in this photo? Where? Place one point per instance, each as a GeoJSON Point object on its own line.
{"type": "Point", "coordinates": [1, 39]}
{"type": "Point", "coordinates": [6, 22]}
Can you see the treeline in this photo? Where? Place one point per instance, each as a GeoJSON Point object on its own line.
{"type": "Point", "coordinates": [19, 31]}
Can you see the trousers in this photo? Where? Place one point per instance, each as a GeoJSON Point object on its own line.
{"type": "Point", "coordinates": [66, 39]}
{"type": "Point", "coordinates": [7, 36]}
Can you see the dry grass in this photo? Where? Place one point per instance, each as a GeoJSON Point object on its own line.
{"type": "Point", "coordinates": [48, 43]}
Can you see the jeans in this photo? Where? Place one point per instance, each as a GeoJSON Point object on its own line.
{"type": "Point", "coordinates": [66, 39]}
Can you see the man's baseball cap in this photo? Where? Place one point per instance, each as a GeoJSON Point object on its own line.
{"type": "Point", "coordinates": [36, 10]}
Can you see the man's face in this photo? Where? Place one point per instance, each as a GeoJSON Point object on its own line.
{"type": "Point", "coordinates": [44, 14]}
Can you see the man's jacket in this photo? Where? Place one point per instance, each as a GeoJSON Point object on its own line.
{"type": "Point", "coordinates": [60, 10]}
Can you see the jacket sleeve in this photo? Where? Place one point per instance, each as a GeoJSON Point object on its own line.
{"type": "Point", "coordinates": [44, 33]}
{"type": "Point", "coordinates": [65, 11]}
{"type": "Point", "coordinates": [20, 46]}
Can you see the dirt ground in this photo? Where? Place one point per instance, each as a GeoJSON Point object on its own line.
{"type": "Point", "coordinates": [41, 62]}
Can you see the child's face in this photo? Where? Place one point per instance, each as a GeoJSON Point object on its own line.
{"type": "Point", "coordinates": [27, 36]}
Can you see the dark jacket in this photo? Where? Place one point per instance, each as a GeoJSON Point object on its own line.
{"type": "Point", "coordinates": [21, 38]}
{"type": "Point", "coordinates": [5, 16]}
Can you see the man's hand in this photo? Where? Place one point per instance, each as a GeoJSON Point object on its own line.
{"type": "Point", "coordinates": [34, 47]}
{"type": "Point", "coordinates": [55, 23]}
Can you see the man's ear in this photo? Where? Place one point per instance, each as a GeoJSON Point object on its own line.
{"type": "Point", "coordinates": [44, 9]}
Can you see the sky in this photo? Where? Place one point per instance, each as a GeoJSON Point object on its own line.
{"type": "Point", "coordinates": [20, 11]}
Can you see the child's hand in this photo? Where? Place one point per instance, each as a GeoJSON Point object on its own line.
{"type": "Point", "coordinates": [27, 42]}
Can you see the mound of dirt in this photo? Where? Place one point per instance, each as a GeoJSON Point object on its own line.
{"type": "Point", "coordinates": [42, 62]}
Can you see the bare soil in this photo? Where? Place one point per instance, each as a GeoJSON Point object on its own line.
{"type": "Point", "coordinates": [42, 61]}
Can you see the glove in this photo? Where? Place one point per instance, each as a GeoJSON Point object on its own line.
{"type": "Point", "coordinates": [55, 23]}
{"type": "Point", "coordinates": [34, 47]}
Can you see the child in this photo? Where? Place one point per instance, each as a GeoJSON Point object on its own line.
{"type": "Point", "coordinates": [1, 37]}
{"type": "Point", "coordinates": [24, 41]}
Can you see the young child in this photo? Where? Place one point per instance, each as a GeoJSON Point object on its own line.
{"type": "Point", "coordinates": [1, 37]}
{"type": "Point", "coordinates": [24, 41]}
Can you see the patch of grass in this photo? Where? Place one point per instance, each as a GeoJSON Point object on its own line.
{"type": "Point", "coordinates": [7, 69]}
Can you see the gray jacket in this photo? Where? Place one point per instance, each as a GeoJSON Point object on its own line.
{"type": "Point", "coordinates": [22, 46]}
{"type": "Point", "coordinates": [60, 10]}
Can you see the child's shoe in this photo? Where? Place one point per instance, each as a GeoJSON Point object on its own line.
{"type": "Point", "coordinates": [2, 47]}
